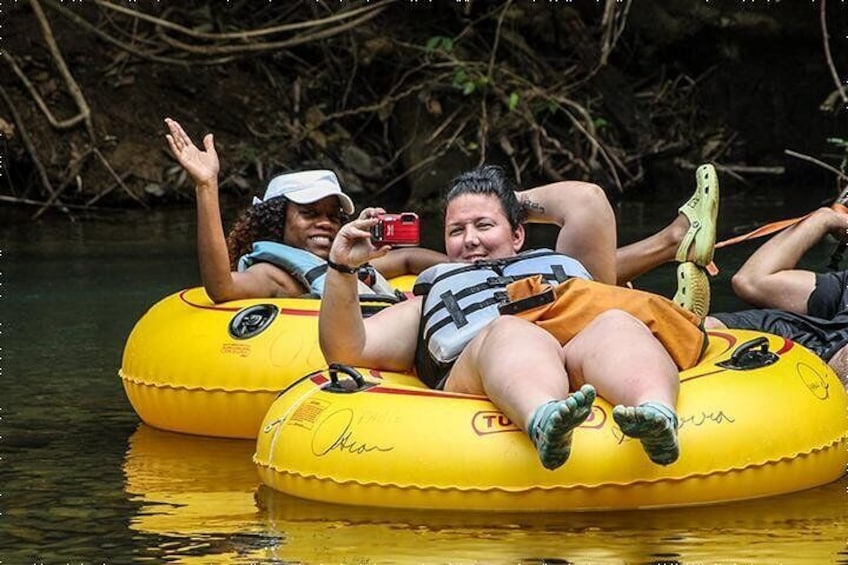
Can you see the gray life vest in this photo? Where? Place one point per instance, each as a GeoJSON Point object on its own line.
{"type": "Point", "coordinates": [460, 299]}
{"type": "Point", "coordinates": [309, 269]}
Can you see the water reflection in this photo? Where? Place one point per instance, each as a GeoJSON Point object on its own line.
{"type": "Point", "coordinates": [195, 493]}
{"type": "Point", "coordinates": [805, 527]}
{"type": "Point", "coordinates": [82, 484]}
{"type": "Point", "coordinates": [201, 498]}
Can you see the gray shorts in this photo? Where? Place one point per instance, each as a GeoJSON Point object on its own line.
{"type": "Point", "coordinates": [823, 330]}
{"type": "Point", "coordinates": [830, 297]}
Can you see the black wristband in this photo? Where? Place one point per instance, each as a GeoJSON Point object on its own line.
{"type": "Point", "coordinates": [342, 268]}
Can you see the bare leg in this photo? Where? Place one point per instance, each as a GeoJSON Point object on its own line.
{"type": "Point", "coordinates": [524, 390]}
{"type": "Point", "coordinates": [638, 258]}
{"type": "Point", "coordinates": [646, 395]}
{"type": "Point", "coordinates": [620, 357]}
{"type": "Point", "coordinates": [531, 388]}
{"type": "Point", "coordinates": [544, 370]}
{"type": "Point", "coordinates": [489, 365]}
{"type": "Point", "coordinates": [839, 364]}
{"type": "Point", "coordinates": [689, 237]}
{"type": "Point", "coordinates": [769, 278]}
{"type": "Point", "coordinates": [693, 285]}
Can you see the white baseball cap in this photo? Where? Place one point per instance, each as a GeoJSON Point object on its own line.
{"type": "Point", "coordinates": [306, 187]}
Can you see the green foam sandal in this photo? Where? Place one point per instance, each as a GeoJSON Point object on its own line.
{"type": "Point", "coordinates": [693, 289]}
{"type": "Point", "coordinates": [702, 211]}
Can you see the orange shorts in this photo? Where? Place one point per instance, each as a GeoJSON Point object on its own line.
{"type": "Point", "coordinates": [576, 302]}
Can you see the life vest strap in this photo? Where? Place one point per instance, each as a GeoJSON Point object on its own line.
{"type": "Point", "coordinates": [312, 274]}
{"type": "Point", "coordinates": [462, 313]}
{"type": "Point", "coordinates": [451, 304]}
{"type": "Point", "coordinates": [527, 303]}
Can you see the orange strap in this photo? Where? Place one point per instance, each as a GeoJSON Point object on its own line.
{"type": "Point", "coordinates": [774, 227]}
{"type": "Point", "coordinates": [771, 228]}
{"type": "Point", "coordinates": [761, 231]}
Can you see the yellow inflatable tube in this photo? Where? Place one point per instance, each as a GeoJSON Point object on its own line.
{"type": "Point", "coordinates": [196, 367]}
{"type": "Point", "coordinates": [777, 426]}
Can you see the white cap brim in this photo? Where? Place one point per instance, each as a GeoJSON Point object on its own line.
{"type": "Point", "coordinates": [306, 187]}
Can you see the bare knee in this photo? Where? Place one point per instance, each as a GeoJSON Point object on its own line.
{"type": "Point", "coordinates": [506, 327]}
{"type": "Point", "coordinates": [615, 317]}
{"type": "Point", "coordinates": [745, 286]}
{"type": "Point", "coordinates": [612, 323]}
{"type": "Point", "coordinates": [505, 324]}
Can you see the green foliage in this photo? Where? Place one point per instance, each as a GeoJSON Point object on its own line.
{"type": "Point", "coordinates": [545, 106]}
{"type": "Point", "coordinates": [469, 82]}
{"type": "Point", "coordinates": [513, 101]}
{"type": "Point", "coordinates": [439, 43]}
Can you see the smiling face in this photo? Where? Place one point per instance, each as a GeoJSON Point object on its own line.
{"type": "Point", "coordinates": [476, 227]}
{"type": "Point", "coordinates": [312, 227]}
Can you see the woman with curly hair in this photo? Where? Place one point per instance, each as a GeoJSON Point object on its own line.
{"type": "Point", "coordinates": [278, 244]}
{"type": "Point", "coordinates": [265, 221]}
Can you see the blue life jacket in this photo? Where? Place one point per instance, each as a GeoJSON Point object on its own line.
{"type": "Point", "coordinates": [309, 269]}
{"type": "Point", "coordinates": [460, 299]}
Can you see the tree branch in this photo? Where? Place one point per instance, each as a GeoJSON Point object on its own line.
{"type": "Point", "coordinates": [73, 87]}
{"type": "Point", "coordinates": [826, 41]}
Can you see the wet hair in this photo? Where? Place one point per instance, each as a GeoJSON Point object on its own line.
{"type": "Point", "coordinates": [490, 180]}
{"type": "Point", "coordinates": [265, 221]}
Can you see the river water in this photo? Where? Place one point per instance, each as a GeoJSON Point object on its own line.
{"type": "Point", "coordinates": [83, 482]}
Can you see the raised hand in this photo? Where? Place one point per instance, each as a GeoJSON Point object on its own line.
{"type": "Point", "coordinates": [201, 165]}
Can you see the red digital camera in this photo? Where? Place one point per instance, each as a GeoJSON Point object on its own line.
{"type": "Point", "coordinates": [396, 229]}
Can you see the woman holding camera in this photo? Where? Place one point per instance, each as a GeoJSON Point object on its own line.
{"type": "Point", "coordinates": [276, 246]}
{"type": "Point", "coordinates": [542, 383]}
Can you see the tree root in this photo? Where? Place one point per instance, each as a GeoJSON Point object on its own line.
{"type": "Point", "coordinates": [30, 148]}
{"type": "Point", "coordinates": [535, 87]}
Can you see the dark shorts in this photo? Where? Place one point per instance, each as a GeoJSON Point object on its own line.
{"type": "Point", "coordinates": [433, 374]}
{"type": "Point", "coordinates": [824, 330]}
{"type": "Point", "coordinates": [428, 370]}
{"type": "Point", "coordinates": [440, 385]}
{"type": "Point", "coordinates": [830, 297]}
{"type": "Point", "coordinates": [822, 337]}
